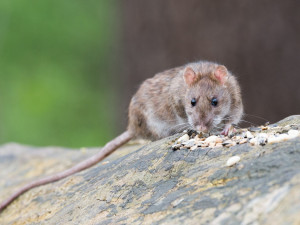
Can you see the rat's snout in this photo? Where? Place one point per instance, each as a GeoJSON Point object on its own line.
{"type": "Point", "coordinates": [203, 125]}
{"type": "Point", "coordinates": [201, 128]}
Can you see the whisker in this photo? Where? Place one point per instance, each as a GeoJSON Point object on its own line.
{"type": "Point", "coordinates": [178, 128]}
{"type": "Point", "coordinates": [252, 124]}
{"type": "Point", "coordinates": [183, 127]}
{"type": "Point", "coordinates": [258, 117]}
{"type": "Point", "coordinates": [181, 124]}
{"type": "Point", "coordinates": [242, 120]}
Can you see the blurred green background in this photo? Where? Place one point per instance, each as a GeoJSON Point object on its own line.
{"type": "Point", "coordinates": [56, 62]}
{"type": "Point", "coordinates": [68, 68]}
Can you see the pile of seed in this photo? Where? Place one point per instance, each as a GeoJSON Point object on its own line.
{"type": "Point", "coordinates": [255, 136]}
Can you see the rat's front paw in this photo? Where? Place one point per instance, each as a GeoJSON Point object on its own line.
{"type": "Point", "coordinates": [228, 129]}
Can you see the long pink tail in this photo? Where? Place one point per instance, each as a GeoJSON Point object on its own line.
{"type": "Point", "coordinates": [109, 148]}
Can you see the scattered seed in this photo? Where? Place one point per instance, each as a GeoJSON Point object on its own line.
{"type": "Point", "coordinates": [262, 139]}
{"type": "Point", "coordinates": [194, 147]}
{"type": "Point", "coordinates": [254, 129]}
{"type": "Point", "coordinates": [219, 140]}
{"type": "Point", "coordinates": [253, 141]}
{"type": "Point", "coordinates": [189, 143]}
{"type": "Point", "coordinates": [277, 138]}
{"type": "Point", "coordinates": [199, 143]}
{"type": "Point", "coordinates": [286, 129]}
{"type": "Point", "coordinates": [176, 146]}
{"type": "Point", "coordinates": [225, 143]}
{"type": "Point", "coordinates": [211, 139]}
{"type": "Point", "coordinates": [192, 140]}
{"type": "Point", "coordinates": [249, 135]}
{"type": "Point", "coordinates": [233, 160]}
{"type": "Point", "coordinates": [229, 143]}
{"type": "Point", "coordinates": [243, 141]}
{"type": "Point", "coordinates": [283, 137]}
{"type": "Point", "coordinates": [177, 202]}
{"type": "Point", "coordinates": [237, 138]}
{"type": "Point", "coordinates": [212, 144]}
{"type": "Point", "coordinates": [272, 139]}
{"type": "Point", "coordinates": [294, 127]}
{"type": "Point", "coordinates": [219, 145]}
{"type": "Point", "coordinates": [184, 138]}
{"type": "Point", "coordinates": [197, 139]}
{"type": "Point", "coordinates": [244, 134]}
{"type": "Point", "coordinates": [192, 133]}
{"type": "Point", "coordinates": [200, 135]}
{"type": "Point", "coordinates": [293, 133]}
{"type": "Point", "coordinates": [204, 145]}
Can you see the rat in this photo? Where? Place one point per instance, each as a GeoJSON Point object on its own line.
{"type": "Point", "coordinates": [202, 96]}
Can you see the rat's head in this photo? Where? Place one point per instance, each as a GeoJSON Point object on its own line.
{"type": "Point", "coordinates": [207, 101]}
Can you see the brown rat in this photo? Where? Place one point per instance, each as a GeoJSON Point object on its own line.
{"type": "Point", "coordinates": [202, 96]}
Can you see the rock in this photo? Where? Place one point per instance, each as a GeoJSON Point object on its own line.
{"type": "Point", "coordinates": [291, 120]}
{"type": "Point", "coordinates": [156, 185]}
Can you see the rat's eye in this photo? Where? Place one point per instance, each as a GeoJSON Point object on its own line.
{"type": "Point", "coordinates": [214, 102]}
{"type": "Point", "coordinates": [193, 102]}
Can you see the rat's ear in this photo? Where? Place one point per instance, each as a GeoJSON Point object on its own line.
{"type": "Point", "coordinates": [189, 76]}
{"type": "Point", "coordinates": [221, 74]}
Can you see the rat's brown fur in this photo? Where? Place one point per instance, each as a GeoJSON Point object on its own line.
{"type": "Point", "coordinates": [162, 106]}
{"type": "Point", "coordinates": [159, 98]}
{"type": "Point", "coordinates": [163, 102]}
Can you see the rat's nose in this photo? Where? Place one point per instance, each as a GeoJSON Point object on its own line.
{"type": "Point", "coordinates": [201, 128]}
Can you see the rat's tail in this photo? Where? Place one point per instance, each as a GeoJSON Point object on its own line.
{"type": "Point", "coordinates": [109, 148]}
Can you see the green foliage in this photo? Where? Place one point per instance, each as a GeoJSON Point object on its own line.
{"type": "Point", "coordinates": [56, 63]}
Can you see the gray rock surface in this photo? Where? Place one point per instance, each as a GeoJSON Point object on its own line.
{"type": "Point", "coordinates": [156, 185]}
